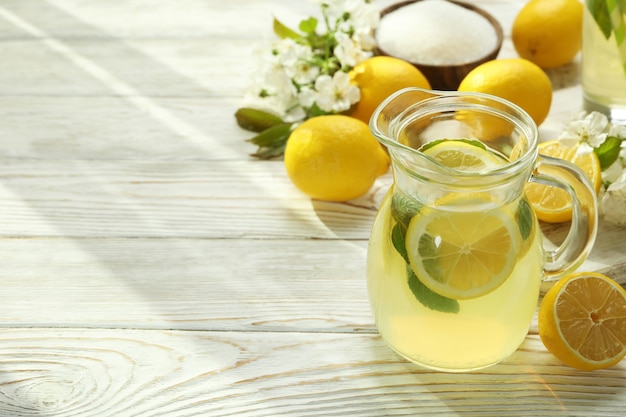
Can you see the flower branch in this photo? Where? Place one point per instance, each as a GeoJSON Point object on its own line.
{"type": "Point", "coordinates": [306, 73]}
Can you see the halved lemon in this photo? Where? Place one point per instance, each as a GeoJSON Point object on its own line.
{"type": "Point", "coordinates": [554, 205]}
{"type": "Point", "coordinates": [582, 321]}
{"type": "Point", "coordinates": [462, 154]}
{"type": "Point", "coordinates": [463, 254]}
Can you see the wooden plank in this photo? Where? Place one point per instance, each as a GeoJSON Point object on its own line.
{"type": "Point", "coordinates": [222, 284]}
{"type": "Point", "coordinates": [124, 373]}
{"type": "Point", "coordinates": [165, 19]}
{"type": "Point", "coordinates": [121, 128]}
{"type": "Point", "coordinates": [199, 284]}
{"type": "Point", "coordinates": [117, 67]}
{"type": "Point", "coordinates": [195, 199]}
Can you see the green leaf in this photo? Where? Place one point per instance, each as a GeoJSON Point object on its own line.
{"type": "Point", "coordinates": [270, 152]}
{"type": "Point", "coordinates": [428, 298]}
{"type": "Point", "coordinates": [403, 208]}
{"type": "Point", "coordinates": [272, 141]}
{"type": "Point", "coordinates": [398, 234]}
{"type": "Point", "coordinates": [256, 120]}
{"type": "Point", "coordinates": [283, 31]}
{"type": "Point", "coordinates": [524, 218]}
{"type": "Point", "coordinates": [315, 111]}
{"type": "Point", "coordinates": [309, 25]}
{"type": "Point", "coordinates": [434, 143]}
{"type": "Point", "coordinates": [599, 9]}
{"type": "Point", "coordinates": [608, 151]}
{"type": "Point", "coordinates": [272, 135]}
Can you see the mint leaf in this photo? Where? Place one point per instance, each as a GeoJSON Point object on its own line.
{"type": "Point", "coordinates": [428, 298]}
{"type": "Point", "coordinates": [256, 120]}
{"type": "Point", "coordinates": [608, 151]}
{"type": "Point", "coordinates": [309, 25]}
{"type": "Point", "coordinates": [398, 234]}
{"type": "Point", "coordinates": [403, 208]}
{"type": "Point", "coordinates": [272, 141]}
{"type": "Point", "coordinates": [599, 9]}
{"type": "Point", "coordinates": [524, 218]}
{"type": "Point", "coordinates": [283, 31]}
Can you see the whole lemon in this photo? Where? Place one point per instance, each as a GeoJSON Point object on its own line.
{"type": "Point", "coordinates": [548, 32]}
{"type": "Point", "coordinates": [379, 77]}
{"type": "Point", "coordinates": [334, 158]}
{"type": "Point", "coordinates": [515, 79]}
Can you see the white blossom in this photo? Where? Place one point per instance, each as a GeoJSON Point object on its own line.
{"type": "Point", "coordinates": [297, 78]}
{"type": "Point", "coordinates": [336, 94]}
{"type": "Point", "coordinates": [296, 60]}
{"type": "Point", "coordinates": [336, 9]}
{"type": "Point", "coordinates": [274, 92]}
{"type": "Point", "coordinates": [613, 203]}
{"type": "Point", "coordinates": [589, 131]}
{"type": "Point", "coordinates": [304, 73]}
{"type": "Point", "coordinates": [584, 148]}
{"type": "Point", "coordinates": [348, 52]}
{"type": "Point", "coordinates": [588, 128]}
{"type": "Point", "coordinates": [307, 96]}
{"type": "Point", "coordinates": [612, 173]}
{"type": "Point", "coordinates": [617, 130]}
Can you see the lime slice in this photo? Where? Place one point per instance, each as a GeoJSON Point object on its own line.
{"type": "Point", "coordinates": [463, 255]}
{"type": "Point", "coordinates": [463, 155]}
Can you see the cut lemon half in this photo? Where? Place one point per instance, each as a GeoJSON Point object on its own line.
{"type": "Point", "coordinates": [464, 155]}
{"type": "Point", "coordinates": [463, 255]}
{"type": "Point", "coordinates": [582, 321]}
{"type": "Point", "coordinates": [552, 204]}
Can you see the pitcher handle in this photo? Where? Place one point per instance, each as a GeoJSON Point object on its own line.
{"type": "Point", "coordinates": [582, 234]}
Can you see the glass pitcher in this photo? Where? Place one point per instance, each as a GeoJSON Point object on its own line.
{"type": "Point", "coordinates": [456, 256]}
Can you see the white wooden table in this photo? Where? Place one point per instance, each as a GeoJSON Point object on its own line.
{"type": "Point", "coordinates": [150, 267]}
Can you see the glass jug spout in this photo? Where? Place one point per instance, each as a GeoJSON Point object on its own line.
{"type": "Point", "coordinates": [413, 120]}
{"type": "Point", "coordinates": [413, 117]}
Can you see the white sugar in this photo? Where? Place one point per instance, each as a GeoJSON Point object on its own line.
{"type": "Point", "coordinates": [436, 32]}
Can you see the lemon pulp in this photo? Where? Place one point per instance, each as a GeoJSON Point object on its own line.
{"type": "Point", "coordinates": [465, 245]}
{"type": "Point", "coordinates": [462, 155]}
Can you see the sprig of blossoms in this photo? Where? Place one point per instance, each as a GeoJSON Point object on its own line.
{"type": "Point", "coordinates": [306, 72]}
{"type": "Point", "coordinates": [593, 132]}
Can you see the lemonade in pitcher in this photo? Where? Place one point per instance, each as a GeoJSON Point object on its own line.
{"type": "Point", "coordinates": [456, 273]}
{"type": "Point", "coordinates": [456, 257]}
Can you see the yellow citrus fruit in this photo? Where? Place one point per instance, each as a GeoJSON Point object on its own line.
{"type": "Point", "coordinates": [516, 80]}
{"type": "Point", "coordinates": [334, 158]}
{"type": "Point", "coordinates": [582, 321]}
{"type": "Point", "coordinates": [548, 32]}
{"type": "Point", "coordinates": [460, 254]}
{"type": "Point", "coordinates": [379, 77]}
{"type": "Point", "coordinates": [462, 155]}
{"type": "Point", "coordinates": [463, 254]}
{"type": "Point", "coordinates": [554, 205]}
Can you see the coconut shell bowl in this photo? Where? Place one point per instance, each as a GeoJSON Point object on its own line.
{"type": "Point", "coordinates": [443, 73]}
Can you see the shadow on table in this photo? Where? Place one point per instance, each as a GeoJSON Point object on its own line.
{"type": "Point", "coordinates": [150, 197]}
{"type": "Point", "coordinates": [135, 154]}
{"type": "Point", "coordinates": [530, 382]}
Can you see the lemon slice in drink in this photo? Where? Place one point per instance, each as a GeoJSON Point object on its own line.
{"type": "Point", "coordinates": [463, 254]}
{"type": "Point", "coordinates": [464, 155]}
{"type": "Point", "coordinates": [464, 246]}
